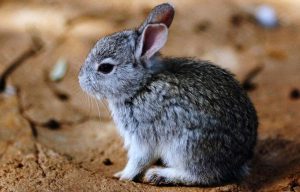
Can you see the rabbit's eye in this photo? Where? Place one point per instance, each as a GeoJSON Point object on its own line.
{"type": "Point", "coordinates": [105, 68]}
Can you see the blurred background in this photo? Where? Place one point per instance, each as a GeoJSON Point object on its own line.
{"type": "Point", "coordinates": [53, 137]}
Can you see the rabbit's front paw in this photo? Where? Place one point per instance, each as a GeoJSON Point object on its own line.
{"type": "Point", "coordinates": [118, 174]}
{"type": "Point", "coordinates": [125, 176]}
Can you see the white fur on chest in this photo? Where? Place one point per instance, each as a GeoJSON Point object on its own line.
{"type": "Point", "coordinates": [164, 149]}
{"type": "Point", "coordinates": [117, 114]}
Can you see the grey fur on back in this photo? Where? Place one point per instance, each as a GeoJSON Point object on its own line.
{"type": "Point", "coordinates": [189, 113]}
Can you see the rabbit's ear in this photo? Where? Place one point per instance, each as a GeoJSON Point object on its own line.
{"type": "Point", "coordinates": [161, 14]}
{"type": "Point", "coordinates": [152, 40]}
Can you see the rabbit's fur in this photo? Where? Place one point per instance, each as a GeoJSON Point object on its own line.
{"type": "Point", "coordinates": [191, 114]}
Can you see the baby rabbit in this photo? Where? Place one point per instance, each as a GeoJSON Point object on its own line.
{"type": "Point", "coordinates": [190, 114]}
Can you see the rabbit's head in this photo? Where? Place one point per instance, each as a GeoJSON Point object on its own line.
{"type": "Point", "coordinates": [119, 64]}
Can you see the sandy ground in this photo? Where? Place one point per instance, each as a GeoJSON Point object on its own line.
{"type": "Point", "coordinates": [54, 138]}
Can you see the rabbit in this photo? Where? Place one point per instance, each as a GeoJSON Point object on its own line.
{"type": "Point", "coordinates": [189, 113]}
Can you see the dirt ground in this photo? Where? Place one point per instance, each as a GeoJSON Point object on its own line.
{"type": "Point", "coordinates": [55, 138]}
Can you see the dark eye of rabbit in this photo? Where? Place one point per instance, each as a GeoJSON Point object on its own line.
{"type": "Point", "coordinates": [105, 68]}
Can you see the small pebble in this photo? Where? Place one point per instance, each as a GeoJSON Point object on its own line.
{"type": "Point", "coordinates": [107, 162]}
{"type": "Point", "coordinates": [295, 94]}
{"type": "Point", "coordinates": [59, 70]}
{"type": "Point", "coordinates": [52, 124]}
{"type": "Point", "coordinates": [20, 165]}
{"type": "Point", "coordinates": [249, 86]}
{"type": "Point", "coordinates": [266, 16]}
{"type": "Point", "coordinates": [62, 96]}
{"type": "Point", "coordinates": [10, 91]}
{"type": "Point", "coordinates": [236, 20]}
{"type": "Point", "coordinates": [202, 26]}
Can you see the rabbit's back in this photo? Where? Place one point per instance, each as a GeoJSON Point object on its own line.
{"type": "Point", "coordinates": [213, 93]}
{"type": "Point", "coordinates": [206, 86]}
{"type": "Point", "coordinates": [196, 95]}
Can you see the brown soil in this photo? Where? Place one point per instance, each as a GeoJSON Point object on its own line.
{"type": "Point", "coordinates": [51, 135]}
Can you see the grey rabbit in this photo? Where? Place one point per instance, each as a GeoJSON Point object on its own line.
{"type": "Point", "coordinates": [188, 113]}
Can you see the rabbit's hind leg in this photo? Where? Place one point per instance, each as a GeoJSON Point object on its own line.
{"type": "Point", "coordinates": [169, 176]}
